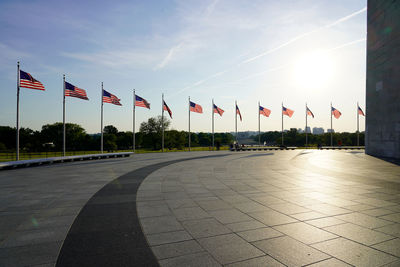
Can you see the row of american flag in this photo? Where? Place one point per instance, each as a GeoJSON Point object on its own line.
{"type": "Point", "coordinates": [27, 81]}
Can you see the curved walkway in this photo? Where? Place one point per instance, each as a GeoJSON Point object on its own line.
{"type": "Point", "coordinates": [293, 208]}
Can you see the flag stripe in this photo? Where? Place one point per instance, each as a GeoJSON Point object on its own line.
{"type": "Point", "coordinates": [110, 98]}
{"type": "Point", "coordinates": [309, 112]}
{"type": "Point", "coordinates": [218, 110]}
{"type": "Point", "coordinates": [287, 112]}
{"type": "Point", "coordinates": [264, 111]}
{"type": "Point", "coordinates": [27, 81]}
{"type": "Point", "coordinates": [166, 108]}
{"type": "Point", "coordinates": [360, 111]}
{"type": "Point", "coordinates": [141, 102]}
{"type": "Point", "coordinates": [195, 107]}
{"type": "Point", "coordinates": [238, 112]}
{"type": "Point", "coordinates": [336, 113]}
{"type": "Point", "coordinates": [73, 91]}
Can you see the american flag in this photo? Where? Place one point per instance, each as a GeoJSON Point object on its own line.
{"type": "Point", "coordinates": [141, 102]}
{"type": "Point", "coordinates": [72, 90]}
{"type": "Point", "coordinates": [166, 108]}
{"type": "Point", "coordinates": [360, 111]}
{"type": "Point", "coordinates": [218, 110]}
{"type": "Point", "coordinates": [27, 81]}
{"type": "Point", "coordinates": [110, 98]}
{"type": "Point", "coordinates": [265, 111]}
{"type": "Point", "coordinates": [309, 113]}
{"type": "Point", "coordinates": [287, 112]}
{"type": "Point", "coordinates": [336, 113]}
{"type": "Point", "coordinates": [238, 112]}
{"type": "Point", "coordinates": [195, 107]}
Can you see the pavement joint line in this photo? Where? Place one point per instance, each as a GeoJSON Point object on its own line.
{"type": "Point", "coordinates": [385, 240]}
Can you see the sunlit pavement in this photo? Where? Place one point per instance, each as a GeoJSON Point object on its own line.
{"type": "Point", "coordinates": [293, 208]}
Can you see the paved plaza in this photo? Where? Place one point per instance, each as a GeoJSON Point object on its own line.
{"type": "Point", "coordinates": [278, 208]}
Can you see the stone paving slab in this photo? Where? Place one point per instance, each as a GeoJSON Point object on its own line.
{"type": "Point", "coordinates": [229, 248]}
{"type": "Point", "coordinates": [290, 251]}
{"type": "Point", "coordinates": [354, 253]}
{"type": "Point", "coordinates": [270, 213]}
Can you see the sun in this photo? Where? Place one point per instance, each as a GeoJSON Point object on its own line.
{"type": "Point", "coordinates": [314, 70]}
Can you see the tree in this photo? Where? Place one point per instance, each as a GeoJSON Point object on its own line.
{"type": "Point", "coordinates": [110, 129]}
{"type": "Point", "coordinates": [204, 139]}
{"type": "Point", "coordinates": [152, 130]}
{"type": "Point", "coordinates": [110, 137]}
{"type": "Point", "coordinates": [124, 140]}
{"type": "Point", "coordinates": [175, 139]}
{"type": "Point", "coordinates": [75, 135]}
{"type": "Point", "coordinates": [154, 125]}
{"type": "Point", "coordinates": [194, 139]}
{"type": "Point", "coordinates": [7, 136]}
{"type": "Point", "coordinates": [110, 142]}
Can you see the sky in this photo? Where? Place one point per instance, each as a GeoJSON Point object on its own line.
{"type": "Point", "coordinates": [291, 51]}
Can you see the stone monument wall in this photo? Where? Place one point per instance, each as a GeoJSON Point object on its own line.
{"type": "Point", "coordinates": [383, 79]}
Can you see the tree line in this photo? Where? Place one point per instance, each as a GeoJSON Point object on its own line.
{"type": "Point", "coordinates": [49, 138]}
{"type": "Point", "coordinates": [294, 138]}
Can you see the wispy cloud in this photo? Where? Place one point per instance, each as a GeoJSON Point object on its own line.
{"type": "Point", "coordinates": [262, 73]}
{"type": "Point", "coordinates": [202, 81]}
{"type": "Point", "coordinates": [348, 44]}
{"type": "Point", "coordinates": [346, 17]}
{"type": "Point", "coordinates": [211, 7]}
{"type": "Point", "coordinates": [277, 48]}
{"type": "Point", "coordinates": [169, 56]}
{"type": "Point", "coordinates": [291, 63]}
{"type": "Point", "coordinates": [117, 58]}
{"type": "Point", "coordinates": [301, 36]}
{"type": "Point", "coordinates": [9, 54]}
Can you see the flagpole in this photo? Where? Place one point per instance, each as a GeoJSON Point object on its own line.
{"type": "Point", "coordinates": [236, 121]}
{"type": "Point", "coordinates": [259, 133]}
{"type": "Point", "coordinates": [306, 126]}
{"type": "Point", "coordinates": [282, 122]}
{"type": "Point", "coordinates": [212, 119]}
{"type": "Point", "coordinates": [331, 127]}
{"type": "Point", "coordinates": [358, 126]}
{"type": "Point", "coordinates": [64, 115]}
{"type": "Point", "coordinates": [17, 133]}
{"type": "Point", "coordinates": [189, 123]}
{"type": "Point", "coordinates": [101, 142]}
{"type": "Point", "coordinates": [162, 122]}
{"type": "Point", "coordinates": [133, 122]}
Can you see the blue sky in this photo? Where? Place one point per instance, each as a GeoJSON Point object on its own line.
{"type": "Point", "coordinates": [268, 51]}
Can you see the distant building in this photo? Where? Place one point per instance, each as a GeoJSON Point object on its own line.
{"type": "Point", "coordinates": [308, 129]}
{"type": "Point", "coordinates": [330, 130]}
{"type": "Point", "coordinates": [300, 130]}
{"type": "Point", "coordinates": [318, 130]}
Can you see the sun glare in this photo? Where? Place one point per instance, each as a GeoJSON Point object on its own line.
{"type": "Point", "coordinates": [314, 70]}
